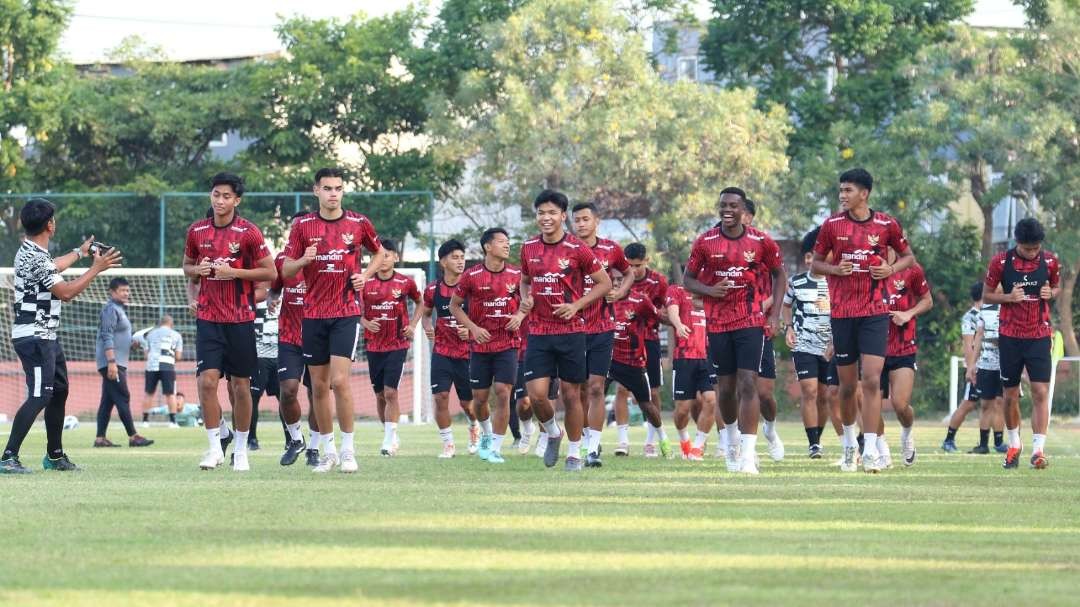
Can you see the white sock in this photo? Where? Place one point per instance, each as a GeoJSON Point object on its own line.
{"type": "Point", "coordinates": [225, 429]}
{"type": "Point", "coordinates": [660, 434]}
{"type": "Point", "coordinates": [294, 431]}
{"type": "Point", "coordinates": [1014, 438]}
{"type": "Point", "coordinates": [388, 434]}
{"type": "Point", "coordinates": [496, 442]}
{"type": "Point", "coordinates": [594, 441]}
{"type": "Point", "coordinates": [328, 443]}
{"type": "Point", "coordinates": [869, 443]}
{"type": "Point", "coordinates": [485, 426]}
{"type": "Point", "coordinates": [542, 440]}
{"type": "Point", "coordinates": [650, 434]}
{"type": "Point", "coordinates": [624, 433]}
{"type": "Point", "coordinates": [447, 435]}
{"type": "Point", "coordinates": [1038, 442]}
{"type": "Point", "coordinates": [585, 432]}
{"type": "Point", "coordinates": [882, 446]}
{"type": "Point", "coordinates": [347, 442]}
{"type": "Point", "coordinates": [850, 436]}
{"type": "Point", "coordinates": [240, 442]}
{"type": "Point", "coordinates": [723, 440]}
{"type": "Point", "coordinates": [527, 428]}
{"type": "Point", "coordinates": [473, 423]}
{"type": "Point", "coordinates": [905, 435]}
{"type": "Point", "coordinates": [769, 430]}
{"type": "Point", "coordinates": [747, 443]}
{"type": "Point", "coordinates": [552, 428]}
{"type": "Point", "coordinates": [573, 448]}
{"type": "Point", "coordinates": [700, 439]}
{"type": "Point", "coordinates": [684, 435]}
{"type": "Point", "coordinates": [313, 442]}
{"type": "Point", "coordinates": [733, 434]}
{"type": "Point", "coordinates": [213, 435]}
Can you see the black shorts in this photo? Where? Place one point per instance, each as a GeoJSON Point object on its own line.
{"type": "Point", "coordinates": [598, 348]}
{"type": "Point", "coordinates": [446, 371]}
{"type": "Point", "coordinates": [165, 375]}
{"type": "Point", "coordinates": [1017, 353]}
{"type": "Point", "coordinates": [853, 337]}
{"type": "Point", "coordinates": [893, 363]}
{"type": "Point", "coordinates": [634, 379]}
{"type": "Point", "coordinates": [652, 363]}
{"type": "Point", "coordinates": [290, 364]}
{"type": "Point", "coordinates": [45, 367]}
{"type": "Point", "coordinates": [385, 368]}
{"type": "Point", "coordinates": [226, 347]}
{"type": "Point", "coordinates": [767, 369]}
{"type": "Point", "coordinates": [832, 377]}
{"type": "Point", "coordinates": [326, 337]}
{"type": "Point", "coordinates": [265, 379]}
{"type": "Point", "coordinates": [738, 349]}
{"type": "Point", "coordinates": [521, 392]}
{"type": "Point", "coordinates": [689, 376]}
{"type": "Point", "coordinates": [561, 356]}
{"type": "Point", "coordinates": [811, 366]}
{"type": "Point", "coordinates": [988, 385]}
{"type": "Point", "coordinates": [971, 391]}
{"type": "Point", "coordinates": [486, 367]}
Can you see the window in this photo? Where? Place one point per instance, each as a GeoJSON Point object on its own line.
{"type": "Point", "coordinates": [686, 68]}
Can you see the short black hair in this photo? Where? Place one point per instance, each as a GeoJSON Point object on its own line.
{"type": "Point", "coordinates": [751, 207]}
{"type": "Point", "coordinates": [232, 180]}
{"type": "Point", "coordinates": [118, 282]}
{"type": "Point", "coordinates": [582, 206]}
{"type": "Point", "coordinates": [809, 240]}
{"type": "Point", "coordinates": [449, 247]}
{"type": "Point", "coordinates": [35, 215]}
{"type": "Point", "coordinates": [635, 250]}
{"type": "Point", "coordinates": [860, 177]}
{"type": "Point", "coordinates": [1029, 231]}
{"type": "Point", "coordinates": [390, 245]}
{"type": "Point", "coordinates": [554, 197]}
{"type": "Point", "coordinates": [292, 218]}
{"type": "Point", "coordinates": [489, 235]}
{"type": "Point", "coordinates": [329, 172]}
{"type": "Point", "coordinates": [734, 190]}
{"type": "Point", "coordinates": [976, 291]}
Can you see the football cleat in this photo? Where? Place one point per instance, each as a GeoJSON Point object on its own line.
{"type": "Point", "coordinates": [1012, 457]}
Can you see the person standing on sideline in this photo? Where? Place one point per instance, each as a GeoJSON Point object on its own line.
{"type": "Point", "coordinates": [163, 346]}
{"type": "Point", "coordinates": [39, 291]}
{"type": "Point", "coordinates": [112, 351]}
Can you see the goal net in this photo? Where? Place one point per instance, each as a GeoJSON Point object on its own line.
{"type": "Point", "coordinates": [155, 292]}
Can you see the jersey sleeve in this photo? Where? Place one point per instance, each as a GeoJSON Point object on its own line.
{"type": "Point", "coordinates": [646, 309]}
{"type": "Point", "coordinates": [587, 260]}
{"type": "Point", "coordinates": [994, 271]}
{"type": "Point", "coordinates": [696, 263]}
{"type": "Point", "coordinates": [896, 237]}
{"type": "Point", "coordinates": [671, 297]}
{"type": "Point", "coordinates": [429, 294]}
{"type": "Point", "coordinates": [256, 244]}
{"type": "Point", "coordinates": [969, 323]}
{"type": "Point", "coordinates": [179, 341]}
{"type": "Point", "coordinates": [919, 285]}
{"type": "Point", "coordinates": [191, 249]}
{"type": "Point", "coordinates": [789, 293]}
{"type": "Point", "coordinates": [294, 248]}
{"type": "Point", "coordinates": [1053, 266]}
{"type": "Point", "coordinates": [413, 293]}
{"type": "Point", "coordinates": [824, 242]}
{"type": "Point", "coordinates": [773, 259]}
{"type": "Point", "coordinates": [369, 238]}
{"type": "Point", "coordinates": [619, 262]}
{"type": "Point", "coordinates": [661, 292]}
{"type": "Point", "coordinates": [50, 274]}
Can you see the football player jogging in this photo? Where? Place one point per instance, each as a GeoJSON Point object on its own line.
{"type": "Point", "coordinates": [554, 265]}
{"type": "Point", "coordinates": [387, 336]}
{"type": "Point", "coordinates": [325, 245]}
{"type": "Point", "coordinates": [265, 379]}
{"type": "Point", "coordinates": [805, 313]}
{"type": "Point", "coordinates": [858, 238]}
{"type": "Point", "coordinates": [494, 314]}
{"type": "Point", "coordinates": [599, 328]}
{"type": "Point", "coordinates": [228, 255]}
{"type": "Point", "coordinates": [163, 346]}
{"type": "Point", "coordinates": [1029, 277]}
{"type": "Point", "coordinates": [693, 378]}
{"type": "Point", "coordinates": [450, 356]}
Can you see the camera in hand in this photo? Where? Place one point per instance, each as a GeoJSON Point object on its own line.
{"type": "Point", "coordinates": [99, 248]}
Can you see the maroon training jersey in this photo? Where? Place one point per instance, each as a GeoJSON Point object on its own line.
{"type": "Point", "coordinates": [557, 272]}
{"type": "Point", "coordinates": [863, 243]}
{"type": "Point", "coordinates": [385, 302]}
{"type": "Point", "coordinates": [715, 257]}
{"type": "Point", "coordinates": [904, 289]}
{"type": "Point", "coordinates": [693, 346]}
{"type": "Point", "coordinates": [492, 298]}
{"type": "Point", "coordinates": [610, 256]}
{"type": "Point", "coordinates": [291, 313]}
{"type": "Point", "coordinates": [632, 314]}
{"type": "Point", "coordinates": [240, 245]}
{"type": "Point", "coordinates": [1030, 318]}
{"type": "Point", "coordinates": [328, 278]}
{"type": "Point", "coordinates": [447, 343]}
{"type": "Point", "coordinates": [654, 288]}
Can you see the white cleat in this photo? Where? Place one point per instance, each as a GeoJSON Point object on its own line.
{"type": "Point", "coordinates": [719, 450]}
{"type": "Point", "coordinates": [523, 444]}
{"type": "Point", "coordinates": [886, 455]}
{"type": "Point", "coordinates": [733, 459]}
{"type": "Point", "coordinates": [212, 459]}
{"type": "Point", "coordinates": [448, 451]}
{"type": "Point", "coordinates": [847, 462]}
{"type": "Point", "coordinates": [174, 425]}
{"type": "Point", "coordinates": [908, 452]}
{"type": "Point", "coordinates": [240, 462]}
{"type": "Point", "coordinates": [326, 463]}
{"type": "Point", "coordinates": [348, 462]}
{"type": "Point", "coordinates": [748, 466]}
{"type": "Point", "coordinates": [776, 449]}
{"type": "Point", "coordinates": [873, 462]}
{"type": "Point", "coordinates": [541, 445]}
{"type": "Point", "coordinates": [650, 450]}
{"type": "Point", "coordinates": [622, 450]}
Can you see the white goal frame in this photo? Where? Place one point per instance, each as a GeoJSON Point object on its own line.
{"type": "Point", "coordinates": [955, 375]}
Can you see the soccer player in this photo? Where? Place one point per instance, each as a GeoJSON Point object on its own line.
{"type": "Point", "coordinates": [858, 238]}
{"type": "Point", "coordinates": [653, 286]}
{"type": "Point", "coordinates": [39, 291]}
{"type": "Point", "coordinates": [554, 265]}
{"type": "Point", "coordinates": [599, 327]}
{"type": "Point", "coordinates": [326, 246]}
{"type": "Point", "coordinates": [450, 358]}
{"type": "Point", "coordinates": [265, 379]}
{"type": "Point", "coordinates": [228, 255]}
{"type": "Point", "coordinates": [524, 405]}
{"type": "Point", "coordinates": [805, 314]}
{"type": "Point", "coordinates": [628, 363]}
{"type": "Point", "coordinates": [1029, 278]}
{"type": "Point", "coordinates": [909, 298]}
{"type": "Point", "coordinates": [387, 337]}
{"type": "Point", "coordinates": [693, 377]}
{"type": "Point", "coordinates": [494, 314]}
{"type": "Point", "coordinates": [724, 266]}
{"type": "Point", "coordinates": [766, 381]}
{"type": "Point", "coordinates": [112, 351]}
{"type": "Point", "coordinates": [163, 346]}
{"type": "Point", "coordinates": [983, 368]}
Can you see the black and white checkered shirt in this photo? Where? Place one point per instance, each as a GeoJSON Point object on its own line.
{"type": "Point", "coordinates": [266, 331]}
{"type": "Point", "coordinates": [37, 310]}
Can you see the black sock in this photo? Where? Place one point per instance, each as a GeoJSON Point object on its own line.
{"type": "Point", "coordinates": [811, 437]}
{"type": "Point", "coordinates": [861, 440]}
{"type": "Point", "coordinates": [951, 435]}
{"type": "Point", "coordinates": [984, 437]}
{"type": "Point", "coordinates": [999, 437]}
{"type": "Point", "coordinates": [145, 416]}
{"type": "Point", "coordinates": [172, 418]}
{"type": "Point", "coordinates": [818, 432]}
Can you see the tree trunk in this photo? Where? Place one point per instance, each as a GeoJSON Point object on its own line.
{"type": "Point", "coordinates": [987, 233]}
{"type": "Point", "coordinates": [978, 191]}
{"type": "Point", "coordinates": [1064, 304]}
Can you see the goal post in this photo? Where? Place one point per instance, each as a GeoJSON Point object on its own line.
{"type": "Point", "coordinates": [956, 371]}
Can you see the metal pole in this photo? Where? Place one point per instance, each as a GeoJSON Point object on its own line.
{"type": "Point", "coordinates": [954, 366]}
{"type": "Point", "coordinates": [431, 237]}
{"type": "Point", "coordinates": [161, 255]}
{"type": "Point", "coordinates": [297, 197]}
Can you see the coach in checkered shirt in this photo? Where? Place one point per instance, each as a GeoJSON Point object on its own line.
{"type": "Point", "coordinates": [39, 293]}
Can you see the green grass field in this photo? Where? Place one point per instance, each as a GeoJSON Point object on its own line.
{"type": "Point", "coordinates": [147, 527]}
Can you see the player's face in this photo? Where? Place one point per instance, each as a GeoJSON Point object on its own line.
{"type": "Point", "coordinates": [747, 219]}
{"type": "Point", "coordinates": [499, 247]}
{"type": "Point", "coordinates": [1028, 251]}
{"type": "Point", "coordinates": [852, 196]}
{"type": "Point", "coordinates": [731, 210]}
{"type": "Point", "coordinates": [223, 200]}
{"type": "Point", "coordinates": [616, 281]}
{"type": "Point", "coordinates": [454, 263]}
{"type": "Point", "coordinates": [550, 218]}
{"type": "Point", "coordinates": [808, 259]}
{"type": "Point", "coordinates": [638, 267]}
{"type": "Point", "coordinates": [122, 294]}
{"type": "Point", "coordinates": [330, 191]}
{"type": "Point", "coordinates": [388, 262]}
{"type": "Point", "coordinates": [585, 223]}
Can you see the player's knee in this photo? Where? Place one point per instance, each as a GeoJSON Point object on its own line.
{"type": "Point", "coordinates": [871, 382]}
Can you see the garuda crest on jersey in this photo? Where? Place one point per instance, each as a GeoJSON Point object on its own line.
{"type": "Point", "coordinates": [749, 256]}
{"type": "Point", "coordinates": [234, 247]}
{"type": "Point", "coordinates": [510, 288]}
{"type": "Point", "coordinates": [347, 238]}
{"type": "Point", "coordinates": [604, 264]}
{"type": "Point", "coordinates": [872, 240]}
{"type": "Point", "coordinates": [564, 263]}
{"type": "Point", "coordinates": [395, 293]}
{"type": "Point", "coordinates": [898, 285]}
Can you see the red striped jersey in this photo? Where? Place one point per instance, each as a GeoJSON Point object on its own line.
{"type": "Point", "coordinates": [437, 299]}
{"type": "Point", "coordinates": [904, 289]}
{"type": "Point", "coordinates": [632, 314]}
{"type": "Point", "coordinates": [1030, 318]}
{"type": "Point", "coordinates": [329, 278]}
{"type": "Point", "coordinates": [291, 313]}
{"type": "Point", "coordinates": [716, 256]}
{"type": "Point", "coordinates": [654, 288]}
{"type": "Point", "coordinates": [385, 301]}
{"type": "Point", "coordinates": [863, 243]}
{"type": "Point", "coordinates": [598, 315]}
{"type": "Point", "coordinates": [240, 245]}
{"type": "Point", "coordinates": [557, 273]}
{"type": "Point", "coordinates": [493, 297]}
{"type": "Point", "coordinates": [695, 345]}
